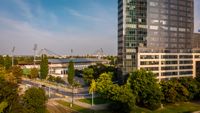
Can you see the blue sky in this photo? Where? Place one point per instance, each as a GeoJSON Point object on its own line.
{"type": "Point", "coordinates": [58, 25]}
{"type": "Point", "coordinates": [61, 25]}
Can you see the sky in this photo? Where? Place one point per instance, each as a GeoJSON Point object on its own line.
{"type": "Point", "coordinates": [58, 25]}
{"type": "Point", "coordinates": [61, 25]}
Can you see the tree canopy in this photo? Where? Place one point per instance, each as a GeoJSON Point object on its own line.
{"type": "Point", "coordinates": [34, 100]}
{"type": "Point", "coordinates": [44, 70]}
{"type": "Point", "coordinates": [34, 73]}
{"type": "Point", "coordinates": [1, 61]}
{"type": "Point", "coordinates": [144, 85]}
{"type": "Point", "coordinates": [17, 73]}
{"type": "Point", "coordinates": [7, 62]}
{"type": "Point", "coordinates": [88, 75]}
{"type": "Point", "coordinates": [71, 73]}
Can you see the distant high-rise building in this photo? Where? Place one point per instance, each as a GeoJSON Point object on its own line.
{"type": "Point", "coordinates": [157, 35]}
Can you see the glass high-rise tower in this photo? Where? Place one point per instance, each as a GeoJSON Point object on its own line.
{"type": "Point", "coordinates": [156, 35]}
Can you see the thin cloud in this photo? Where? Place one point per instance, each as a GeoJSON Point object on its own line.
{"type": "Point", "coordinates": [23, 35]}
{"type": "Point", "coordinates": [33, 28]}
{"type": "Point", "coordinates": [25, 9]}
{"type": "Point", "coordinates": [81, 16]}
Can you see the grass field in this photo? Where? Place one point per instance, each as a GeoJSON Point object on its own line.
{"type": "Point", "coordinates": [186, 107]}
{"type": "Point", "coordinates": [97, 101]}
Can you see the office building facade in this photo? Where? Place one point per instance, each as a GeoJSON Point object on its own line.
{"type": "Point", "coordinates": [157, 35]}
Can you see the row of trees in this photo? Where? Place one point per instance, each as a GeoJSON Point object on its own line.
{"type": "Point", "coordinates": [142, 89]}
{"type": "Point", "coordinates": [33, 101]}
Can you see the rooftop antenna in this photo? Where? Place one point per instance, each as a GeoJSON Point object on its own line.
{"type": "Point", "coordinates": [35, 49]}
{"type": "Point", "coordinates": [13, 50]}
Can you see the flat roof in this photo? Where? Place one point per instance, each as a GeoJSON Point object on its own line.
{"type": "Point", "coordinates": [75, 60]}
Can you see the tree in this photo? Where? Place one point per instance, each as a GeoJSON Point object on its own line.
{"type": "Point", "coordinates": [70, 78]}
{"type": "Point", "coordinates": [92, 90]}
{"type": "Point", "coordinates": [174, 91]}
{"type": "Point", "coordinates": [71, 73]}
{"type": "Point", "coordinates": [3, 105]}
{"type": "Point", "coordinates": [192, 85]}
{"type": "Point", "coordinates": [88, 75]}
{"type": "Point", "coordinates": [104, 84]}
{"type": "Point", "coordinates": [10, 76]}
{"type": "Point", "coordinates": [34, 73]}
{"type": "Point", "coordinates": [7, 62]}
{"type": "Point", "coordinates": [44, 67]}
{"type": "Point", "coordinates": [144, 85]}
{"type": "Point", "coordinates": [34, 100]}
{"type": "Point", "coordinates": [122, 96]}
{"type": "Point", "coordinates": [59, 80]}
{"type": "Point", "coordinates": [1, 61]}
{"type": "Point", "coordinates": [17, 73]}
{"type": "Point", "coordinates": [169, 91]}
{"type": "Point", "coordinates": [9, 97]}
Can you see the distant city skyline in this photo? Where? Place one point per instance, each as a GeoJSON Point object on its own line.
{"type": "Point", "coordinates": [81, 25]}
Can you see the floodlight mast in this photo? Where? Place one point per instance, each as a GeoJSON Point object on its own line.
{"type": "Point", "coordinates": [13, 50]}
{"type": "Point", "coordinates": [35, 49]}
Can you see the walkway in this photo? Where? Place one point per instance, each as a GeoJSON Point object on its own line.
{"type": "Point", "coordinates": [54, 107]}
{"type": "Point", "coordinates": [85, 105]}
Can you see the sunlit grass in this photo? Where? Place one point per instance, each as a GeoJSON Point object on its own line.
{"type": "Point", "coordinates": [185, 107]}
{"type": "Point", "coordinates": [97, 101]}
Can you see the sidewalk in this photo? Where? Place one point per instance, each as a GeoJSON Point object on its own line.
{"type": "Point", "coordinates": [85, 105]}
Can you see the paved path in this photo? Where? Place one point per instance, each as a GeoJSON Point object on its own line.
{"type": "Point", "coordinates": [54, 107]}
{"type": "Point", "coordinates": [85, 105]}
{"type": "Point", "coordinates": [89, 106]}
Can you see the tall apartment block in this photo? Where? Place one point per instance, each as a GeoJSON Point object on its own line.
{"type": "Point", "coordinates": [157, 35]}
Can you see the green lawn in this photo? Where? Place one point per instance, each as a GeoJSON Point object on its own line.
{"type": "Point", "coordinates": [186, 107]}
{"type": "Point", "coordinates": [26, 71]}
{"type": "Point", "coordinates": [97, 101]}
{"type": "Point", "coordinates": [80, 109]}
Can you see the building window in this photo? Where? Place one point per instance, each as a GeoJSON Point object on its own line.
{"type": "Point", "coordinates": [153, 4]}
{"type": "Point", "coordinates": [185, 72]}
{"type": "Point", "coordinates": [186, 67]}
{"type": "Point", "coordinates": [186, 62]}
{"type": "Point", "coordinates": [149, 57]}
{"type": "Point", "coordinates": [169, 73]}
{"type": "Point", "coordinates": [169, 68]}
{"type": "Point", "coordinates": [154, 27]}
{"type": "Point", "coordinates": [149, 63]}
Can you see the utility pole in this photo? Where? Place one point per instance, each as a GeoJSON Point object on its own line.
{"type": "Point", "coordinates": [35, 49]}
{"type": "Point", "coordinates": [13, 50]}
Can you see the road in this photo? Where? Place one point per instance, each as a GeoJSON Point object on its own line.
{"type": "Point", "coordinates": [56, 90]}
